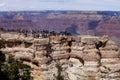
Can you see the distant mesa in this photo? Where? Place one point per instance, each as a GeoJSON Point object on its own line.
{"type": "Point", "coordinates": [97, 23]}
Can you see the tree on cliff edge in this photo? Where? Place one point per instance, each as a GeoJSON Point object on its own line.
{"type": "Point", "coordinates": [13, 69]}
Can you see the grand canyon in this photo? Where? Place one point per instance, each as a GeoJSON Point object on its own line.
{"type": "Point", "coordinates": [96, 23]}
{"type": "Point", "coordinates": [60, 45]}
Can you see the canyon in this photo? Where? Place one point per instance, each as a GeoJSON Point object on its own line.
{"type": "Point", "coordinates": [81, 57]}
{"type": "Point", "coordinates": [96, 23]}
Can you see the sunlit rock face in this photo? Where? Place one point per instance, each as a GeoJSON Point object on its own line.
{"type": "Point", "coordinates": [82, 58]}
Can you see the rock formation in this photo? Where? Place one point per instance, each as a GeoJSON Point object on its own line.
{"type": "Point", "coordinates": [73, 58]}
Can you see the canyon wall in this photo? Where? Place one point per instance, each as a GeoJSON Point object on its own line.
{"type": "Point", "coordinates": [96, 23]}
{"type": "Point", "coordinates": [83, 57]}
{"type": "Point", "coordinates": [87, 22]}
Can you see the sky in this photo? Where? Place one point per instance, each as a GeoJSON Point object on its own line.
{"type": "Point", "coordinates": [29, 5]}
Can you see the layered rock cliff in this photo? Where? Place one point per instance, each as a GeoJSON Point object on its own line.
{"type": "Point", "coordinates": [76, 22]}
{"type": "Point", "coordinates": [70, 58]}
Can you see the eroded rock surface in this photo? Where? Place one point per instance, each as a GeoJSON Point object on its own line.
{"type": "Point", "coordinates": [82, 58]}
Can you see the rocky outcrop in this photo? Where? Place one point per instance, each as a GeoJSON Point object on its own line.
{"type": "Point", "coordinates": [73, 58]}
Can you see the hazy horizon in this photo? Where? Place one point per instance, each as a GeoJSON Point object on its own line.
{"type": "Point", "coordinates": [43, 5]}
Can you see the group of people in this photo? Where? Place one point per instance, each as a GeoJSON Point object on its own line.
{"type": "Point", "coordinates": [37, 33]}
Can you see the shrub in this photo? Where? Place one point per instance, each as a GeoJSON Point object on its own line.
{"type": "Point", "coordinates": [59, 70]}
{"type": "Point", "coordinates": [15, 70]}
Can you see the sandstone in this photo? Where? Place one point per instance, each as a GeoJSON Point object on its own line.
{"type": "Point", "coordinates": [91, 63]}
{"type": "Point", "coordinates": [75, 73]}
{"type": "Point", "coordinates": [60, 56]}
{"type": "Point", "coordinates": [76, 62]}
{"type": "Point", "coordinates": [89, 39]}
{"type": "Point", "coordinates": [109, 60]}
{"type": "Point", "coordinates": [109, 54]}
{"type": "Point", "coordinates": [91, 57]}
{"type": "Point", "coordinates": [91, 71]}
{"type": "Point", "coordinates": [37, 74]}
{"type": "Point", "coordinates": [44, 67]}
{"type": "Point", "coordinates": [91, 50]}
{"type": "Point", "coordinates": [60, 48]}
{"type": "Point", "coordinates": [79, 58]}
{"type": "Point", "coordinates": [77, 52]}
{"type": "Point", "coordinates": [40, 53]}
{"type": "Point", "coordinates": [55, 39]}
{"type": "Point", "coordinates": [113, 67]}
{"type": "Point", "coordinates": [39, 48]}
{"type": "Point", "coordinates": [109, 47]}
{"type": "Point", "coordinates": [110, 42]}
{"type": "Point", "coordinates": [59, 52]}
{"type": "Point", "coordinates": [64, 62]}
{"type": "Point", "coordinates": [77, 48]}
{"type": "Point", "coordinates": [103, 69]}
{"type": "Point", "coordinates": [7, 36]}
{"type": "Point", "coordinates": [43, 41]}
{"type": "Point", "coordinates": [114, 75]}
{"type": "Point", "coordinates": [76, 55]}
{"type": "Point", "coordinates": [104, 39]}
{"type": "Point", "coordinates": [90, 46]}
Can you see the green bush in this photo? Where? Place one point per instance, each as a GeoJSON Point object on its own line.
{"type": "Point", "coordinates": [15, 70]}
{"type": "Point", "coordinates": [59, 76]}
{"type": "Point", "coordinates": [2, 57]}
